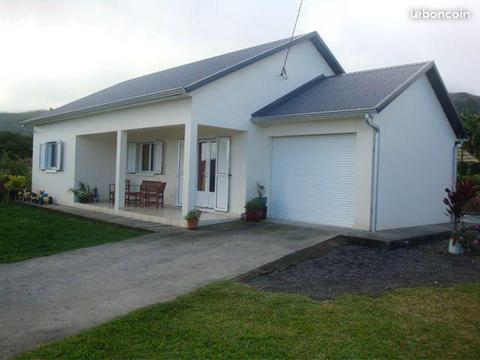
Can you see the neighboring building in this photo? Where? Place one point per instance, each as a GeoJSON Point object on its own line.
{"type": "Point", "coordinates": [371, 150]}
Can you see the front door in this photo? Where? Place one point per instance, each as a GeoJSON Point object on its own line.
{"type": "Point", "coordinates": [206, 168]}
{"type": "Point", "coordinates": [212, 173]}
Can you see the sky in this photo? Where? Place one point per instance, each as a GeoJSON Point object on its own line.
{"type": "Point", "coordinates": [56, 51]}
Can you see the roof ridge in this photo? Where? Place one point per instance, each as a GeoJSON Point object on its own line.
{"type": "Point", "coordinates": [383, 68]}
{"type": "Point", "coordinates": [214, 56]}
{"type": "Point", "coordinates": [195, 84]}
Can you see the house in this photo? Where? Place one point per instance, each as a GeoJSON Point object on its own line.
{"type": "Point", "coordinates": [368, 150]}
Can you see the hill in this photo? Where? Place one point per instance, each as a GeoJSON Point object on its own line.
{"type": "Point", "coordinates": [11, 121]}
{"type": "Point", "coordinates": [464, 101]}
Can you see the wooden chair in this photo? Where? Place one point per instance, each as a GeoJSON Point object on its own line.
{"type": "Point", "coordinates": [152, 193]}
{"type": "Point", "coordinates": [133, 196]}
{"type": "Point", "coordinates": [111, 191]}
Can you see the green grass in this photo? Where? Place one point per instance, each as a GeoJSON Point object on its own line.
{"type": "Point", "coordinates": [230, 320]}
{"type": "Point", "coordinates": [27, 232]}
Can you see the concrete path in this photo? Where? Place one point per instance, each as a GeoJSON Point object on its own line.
{"type": "Point", "coordinates": [48, 298]}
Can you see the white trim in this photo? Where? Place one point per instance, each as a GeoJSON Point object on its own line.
{"type": "Point", "coordinates": [222, 175]}
{"type": "Point", "coordinates": [139, 158]}
{"type": "Point", "coordinates": [275, 119]}
{"type": "Point", "coordinates": [110, 106]}
{"type": "Point", "coordinates": [131, 168]}
{"type": "Point", "coordinates": [180, 150]}
{"type": "Point", "coordinates": [47, 155]}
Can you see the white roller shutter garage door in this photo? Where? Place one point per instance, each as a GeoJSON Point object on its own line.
{"type": "Point", "coordinates": [313, 179]}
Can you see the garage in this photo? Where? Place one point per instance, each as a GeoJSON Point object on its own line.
{"type": "Point", "coordinates": [313, 179]}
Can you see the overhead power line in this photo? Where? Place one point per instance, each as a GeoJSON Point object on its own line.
{"type": "Point", "coordinates": [283, 74]}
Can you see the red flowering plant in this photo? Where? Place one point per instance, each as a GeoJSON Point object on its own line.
{"type": "Point", "coordinates": [456, 200]}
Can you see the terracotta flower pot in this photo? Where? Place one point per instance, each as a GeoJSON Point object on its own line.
{"type": "Point", "coordinates": [192, 224]}
{"type": "Point", "coordinates": [253, 216]}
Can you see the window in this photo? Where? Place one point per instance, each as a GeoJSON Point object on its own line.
{"type": "Point", "coordinates": [51, 156]}
{"type": "Point", "coordinates": [145, 157]}
{"type": "Point", "coordinates": [148, 156]}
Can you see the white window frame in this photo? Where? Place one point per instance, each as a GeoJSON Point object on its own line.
{"type": "Point", "coordinates": [152, 150]}
{"type": "Point", "coordinates": [52, 151]}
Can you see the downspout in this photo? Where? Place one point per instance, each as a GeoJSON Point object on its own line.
{"type": "Point", "coordinates": [374, 175]}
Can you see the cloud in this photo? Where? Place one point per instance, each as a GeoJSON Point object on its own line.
{"type": "Point", "coordinates": [55, 51]}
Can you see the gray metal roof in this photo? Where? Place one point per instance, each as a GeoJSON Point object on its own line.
{"type": "Point", "coordinates": [356, 92]}
{"type": "Point", "coordinates": [350, 91]}
{"type": "Point", "coordinates": [180, 79]}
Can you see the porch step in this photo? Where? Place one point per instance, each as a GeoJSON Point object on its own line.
{"type": "Point", "coordinates": [166, 216]}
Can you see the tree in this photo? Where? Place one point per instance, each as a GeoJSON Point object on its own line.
{"type": "Point", "coordinates": [16, 145]}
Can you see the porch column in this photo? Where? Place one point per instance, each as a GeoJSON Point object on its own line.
{"type": "Point", "coordinates": [189, 167]}
{"type": "Point", "coordinates": [120, 169]}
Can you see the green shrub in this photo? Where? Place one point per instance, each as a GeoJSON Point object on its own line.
{"type": "Point", "coordinates": [18, 145]}
{"type": "Point", "coordinates": [193, 215]}
{"type": "Point", "coordinates": [4, 177]}
{"type": "Point", "coordinates": [255, 204]}
{"type": "Point", "coordinates": [83, 193]}
{"type": "Point", "coordinates": [16, 182]}
{"type": "Point", "coordinates": [475, 178]}
{"type": "Point", "coordinates": [13, 165]}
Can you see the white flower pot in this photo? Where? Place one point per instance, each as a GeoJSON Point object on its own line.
{"type": "Point", "coordinates": [456, 249]}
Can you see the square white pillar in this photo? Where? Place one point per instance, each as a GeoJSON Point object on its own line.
{"type": "Point", "coordinates": [189, 167]}
{"type": "Point", "coordinates": [120, 169]}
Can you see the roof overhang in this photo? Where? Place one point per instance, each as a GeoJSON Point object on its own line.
{"type": "Point", "coordinates": [324, 115]}
{"type": "Point", "coordinates": [111, 106]}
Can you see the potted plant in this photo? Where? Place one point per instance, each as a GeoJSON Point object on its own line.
{"type": "Point", "coordinates": [463, 239]}
{"type": "Point", "coordinates": [192, 218]}
{"type": "Point", "coordinates": [456, 201]}
{"type": "Point", "coordinates": [254, 209]}
{"type": "Point", "coordinates": [262, 199]}
{"type": "Point", "coordinates": [83, 193]}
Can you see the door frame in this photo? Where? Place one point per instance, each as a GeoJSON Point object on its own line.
{"type": "Point", "coordinates": [210, 197]}
{"type": "Point", "coordinates": [179, 196]}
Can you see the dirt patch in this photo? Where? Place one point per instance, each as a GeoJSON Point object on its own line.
{"type": "Point", "coordinates": [362, 270]}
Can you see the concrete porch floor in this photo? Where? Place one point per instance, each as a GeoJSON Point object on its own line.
{"type": "Point", "coordinates": [169, 215]}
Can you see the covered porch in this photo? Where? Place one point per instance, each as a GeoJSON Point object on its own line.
{"type": "Point", "coordinates": [169, 215]}
{"type": "Point", "coordinates": [195, 162]}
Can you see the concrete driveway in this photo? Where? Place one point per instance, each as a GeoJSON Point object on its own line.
{"type": "Point", "coordinates": [51, 297]}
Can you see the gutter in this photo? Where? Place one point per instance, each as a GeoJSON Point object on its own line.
{"type": "Point", "coordinates": [275, 119]}
{"type": "Point", "coordinates": [374, 177]}
{"type": "Point", "coordinates": [44, 119]}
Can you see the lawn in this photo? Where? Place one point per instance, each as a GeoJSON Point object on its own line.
{"type": "Point", "coordinates": [27, 232]}
{"type": "Point", "coordinates": [231, 320]}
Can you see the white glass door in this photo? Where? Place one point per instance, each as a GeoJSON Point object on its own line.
{"type": "Point", "coordinates": [206, 167]}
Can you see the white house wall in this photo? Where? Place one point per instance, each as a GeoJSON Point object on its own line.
{"type": "Point", "coordinates": [164, 113]}
{"type": "Point", "coordinates": [230, 101]}
{"type": "Point", "coordinates": [364, 139]}
{"type": "Point", "coordinates": [416, 157]}
{"type": "Point", "coordinates": [95, 162]}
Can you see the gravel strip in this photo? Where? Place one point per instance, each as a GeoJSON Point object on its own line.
{"type": "Point", "coordinates": [363, 270]}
